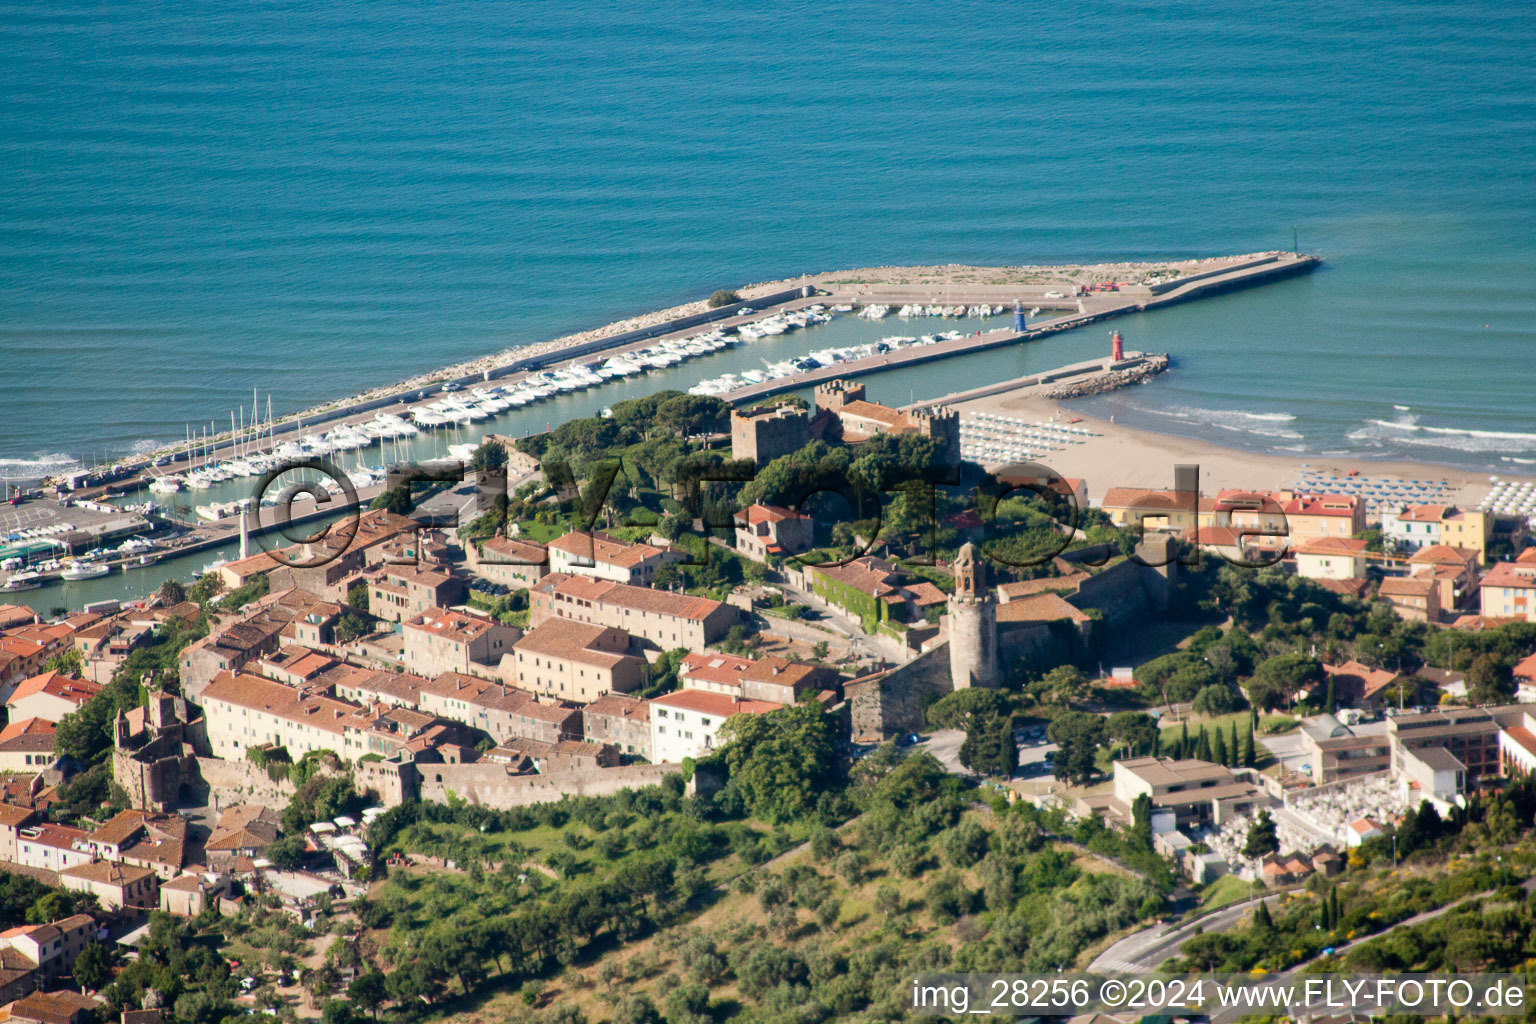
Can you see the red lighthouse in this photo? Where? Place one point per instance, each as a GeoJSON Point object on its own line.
{"type": "Point", "coordinates": [1116, 346]}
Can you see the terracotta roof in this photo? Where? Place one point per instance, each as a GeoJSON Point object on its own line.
{"type": "Point", "coordinates": [866, 575]}
{"type": "Point", "coordinates": [576, 641]}
{"type": "Point", "coordinates": [604, 550]}
{"type": "Point", "coordinates": [1040, 608]}
{"type": "Point", "coordinates": [1525, 668]}
{"type": "Point", "coordinates": [1412, 586]}
{"type": "Point", "coordinates": [1443, 554]}
{"type": "Point", "coordinates": [108, 872]}
{"type": "Point", "coordinates": [60, 837]}
{"type": "Point", "coordinates": [12, 816]}
{"type": "Point", "coordinates": [714, 703]}
{"type": "Point", "coordinates": [1423, 514]}
{"type": "Point", "coordinates": [768, 514]}
{"type": "Point", "coordinates": [462, 626]}
{"type": "Point", "coordinates": [712, 667]}
{"type": "Point", "coordinates": [514, 550]}
{"type": "Point", "coordinates": [623, 595]}
{"type": "Point", "coordinates": [1372, 680]}
{"type": "Point", "coordinates": [1332, 546]}
{"type": "Point", "coordinates": [1511, 574]}
{"type": "Point", "coordinates": [1141, 498]}
{"type": "Point", "coordinates": [52, 1007]}
{"type": "Point", "coordinates": [259, 694]}
{"type": "Point", "coordinates": [27, 727]}
{"type": "Point", "coordinates": [56, 684]}
{"type": "Point", "coordinates": [618, 705]}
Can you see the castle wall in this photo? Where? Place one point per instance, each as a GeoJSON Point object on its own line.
{"type": "Point", "coordinates": [234, 782]}
{"type": "Point", "coordinates": [894, 703]}
{"type": "Point", "coordinates": [972, 642]}
{"type": "Point", "coordinates": [489, 785]}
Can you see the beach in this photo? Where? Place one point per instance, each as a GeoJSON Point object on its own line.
{"type": "Point", "coordinates": [1122, 456]}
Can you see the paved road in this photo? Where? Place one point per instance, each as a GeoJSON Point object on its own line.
{"type": "Point", "coordinates": [1148, 948]}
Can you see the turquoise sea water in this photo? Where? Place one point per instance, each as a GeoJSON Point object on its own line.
{"type": "Point", "coordinates": [314, 198]}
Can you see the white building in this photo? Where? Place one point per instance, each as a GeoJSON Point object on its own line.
{"type": "Point", "coordinates": [686, 723]}
{"type": "Point", "coordinates": [1331, 558]}
{"type": "Point", "coordinates": [602, 557]}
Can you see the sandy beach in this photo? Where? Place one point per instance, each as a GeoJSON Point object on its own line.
{"type": "Point", "coordinates": [1120, 456]}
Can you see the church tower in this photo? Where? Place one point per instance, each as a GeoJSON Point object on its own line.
{"type": "Point", "coordinates": [972, 624]}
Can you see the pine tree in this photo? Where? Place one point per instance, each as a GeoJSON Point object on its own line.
{"type": "Point", "coordinates": [1218, 747]}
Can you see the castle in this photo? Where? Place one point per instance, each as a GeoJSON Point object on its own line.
{"type": "Point", "coordinates": [842, 413]}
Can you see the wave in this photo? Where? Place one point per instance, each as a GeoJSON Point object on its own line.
{"type": "Point", "coordinates": [41, 466]}
{"type": "Point", "coordinates": [1409, 431]}
{"type": "Point", "coordinates": [1263, 424]}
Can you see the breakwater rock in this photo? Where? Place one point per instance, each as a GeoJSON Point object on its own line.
{"type": "Point", "coordinates": [1114, 380]}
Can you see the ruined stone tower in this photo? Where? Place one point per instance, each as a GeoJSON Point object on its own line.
{"type": "Point", "coordinates": [972, 624]}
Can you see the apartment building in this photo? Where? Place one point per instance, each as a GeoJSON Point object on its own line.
{"type": "Point", "coordinates": [1422, 526]}
{"type": "Point", "coordinates": [439, 640]}
{"type": "Point", "coordinates": [665, 619]}
{"type": "Point", "coordinates": [510, 561]}
{"type": "Point", "coordinates": [574, 661]}
{"type": "Point", "coordinates": [116, 886]}
{"type": "Point", "coordinates": [687, 723]}
{"type": "Point", "coordinates": [770, 678]}
{"type": "Point", "coordinates": [602, 557]}
{"type": "Point", "coordinates": [620, 720]}
{"type": "Point", "coordinates": [244, 711]}
{"type": "Point", "coordinates": [400, 592]}
{"type": "Point", "coordinates": [1508, 589]}
{"type": "Point", "coordinates": [1331, 558]}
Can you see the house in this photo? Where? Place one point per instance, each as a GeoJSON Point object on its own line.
{"type": "Point", "coordinates": [1331, 558]}
{"type": "Point", "coordinates": [439, 640]}
{"type": "Point", "coordinates": [661, 617]}
{"type": "Point", "coordinates": [295, 665]}
{"type": "Point", "coordinates": [1421, 526]}
{"type": "Point", "coordinates": [20, 659]}
{"type": "Point", "coordinates": [560, 756]}
{"type": "Point", "coordinates": [116, 886]}
{"type": "Point", "coordinates": [1416, 597]}
{"type": "Point", "coordinates": [602, 557]}
{"type": "Point", "coordinates": [63, 1007]}
{"type": "Point", "coordinates": [872, 590]}
{"type": "Point", "coordinates": [190, 894]}
{"type": "Point", "coordinates": [400, 592]}
{"type": "Point", "coordinates": [245, 712]}
{"type": "Point", "coordinates": [620, 720]}
{"type": "Point", "coordinates": [141, 839]}
{"type": "Point", "coordinates": [504, 712]}
{"type": "Point", "coordinates": [574, 660]}
{"type": "Point", "coordinates": [686, 723]}
{"type": "Point", "coordinates": [242, 831]}
{"type": "Point", "coordinates": [770, 678]}
{"type": "Point", "coordinates": [509, 561]}
{"type": "Point", "coordinates": [13, 615]}
{"type": "Point", "coordinates": [238, 573]}
{"type": "Point", "coordinates": [53, 947]}
{"type": "Point", "coordinates": [1198, 793]}
{"type": "Point", "coordinates": [1356, 685]}
{"type": "Point", "coordinates": [51, 847]}
{"type": "Point", "coordinates": [27, 745]}
{"type": "Point", "coordinates": [763, 530]}
{"type": "Point", "coordinates": [1361, 829]}
{"type": "Point", "coordinates": [1172, 511]}
{"type": "Point", "coordinates": [1454, 570]}
{"type": "Point", "coordinates": [1509, 589]}
{"type": "Point", "coordinates": [12, 820]}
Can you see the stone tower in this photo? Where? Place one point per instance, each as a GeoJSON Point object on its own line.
{"type": "Point", "coordinates": [972, 624]}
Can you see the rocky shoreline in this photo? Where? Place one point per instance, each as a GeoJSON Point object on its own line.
{"type": "Point", "coordinates": [1104, 383]}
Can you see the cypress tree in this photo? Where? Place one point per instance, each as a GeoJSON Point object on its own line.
{"type": "Point", "coordinates": [1261, 919]}
{"type": "Point", "coordinates": [1218, 747]}
{"type": "Point", "coordinates": [1233, 747]}
{"type": "Point", "coordinates": [1184, 741]}
{"type": "Point", "coordinates": [1253, 719]}
{"type": "Point", "coordinates": [1330, 703]}
{"type": "Point", "coordinates": [1333, 909]}
{"type": "Point", "coordinates": [1203, 746]}
{"type": "Point", "coordinates": [1250, 756]}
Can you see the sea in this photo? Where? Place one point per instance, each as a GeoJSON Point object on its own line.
{"type": "Point", "coordinates": [308, 199]}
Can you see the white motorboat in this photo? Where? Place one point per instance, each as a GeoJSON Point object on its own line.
{"type": "Point", "coordinates": [84, 571]}
{"type": "Point", "coordinates": [23, 581]}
